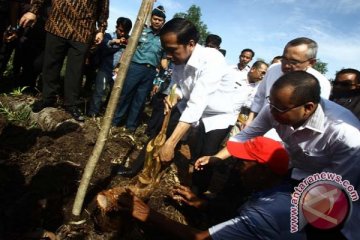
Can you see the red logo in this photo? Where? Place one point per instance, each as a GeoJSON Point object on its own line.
{"type": "Point", "coordinates": [325, 205]}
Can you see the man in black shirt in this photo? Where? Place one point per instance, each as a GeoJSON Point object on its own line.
{"type": "Point", "coordinates": [346, 90]}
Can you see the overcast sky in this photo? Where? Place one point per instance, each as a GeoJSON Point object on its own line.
{"type": "Point", "coordinates": [267, 25]}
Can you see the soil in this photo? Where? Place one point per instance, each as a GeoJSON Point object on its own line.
{"type": "Point", "coordinates": [40, 172]}
{"type": "Point", "coordinates": [41, 165]}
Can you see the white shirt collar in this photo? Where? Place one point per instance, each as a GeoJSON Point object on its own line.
{"type": "Point", "coordinates": [194, 58]}
{"type": "Point", "coordinates": [316, 121]}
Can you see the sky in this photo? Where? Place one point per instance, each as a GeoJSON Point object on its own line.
{"type": "Point", "coordinates": [266, 26]}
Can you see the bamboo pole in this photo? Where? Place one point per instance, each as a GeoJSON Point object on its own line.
{"type": "Point", "coordinates": [144, 11]}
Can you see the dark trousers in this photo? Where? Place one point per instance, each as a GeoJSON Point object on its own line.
{"type": "Point", "coordinates": [157, 115]}
{"type": "Point", "coordinates": [4, 56]}
{"type": "Point", "coordinates": [137, 86]}
{"type": "Point", "coordinates": [6, 50]}
{"type": "Point", "coordinates": [102, 80]}
{"type": "Point", "coordinates": [31, 53]}
{"type": "Point", "coordinates": [56, 49]}
{"type": "Point", "coordinates": [201, 143]}
{"type": "Point", "coordinates": [206, 144]}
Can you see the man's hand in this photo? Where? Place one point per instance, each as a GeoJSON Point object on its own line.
{"type": "Point", "coordinates": [98, 38]}
{"type": "Point", "coordinates": [10, 36]}
{"type": "Point", "coordinates": [166, 152]}
{"type": "Point", "coordinates": [183, 194]}
{"type": "Point", "coordinates": [118, 41]}
{"type": "Point", "coordinates": [154, 90]}
{"type": "Point", "coordinates": [201, 162]}
{"type": "Point", "coordinates": [206, 160]}
{"type": "Point", "coordinates": [169, 104]}
{"type": "Point", "coordinates": [137, 208]}
{"type": "Point", "coordinates": [242, 126]}
{"type": "Point", "coordinates": [28, 19]}
{"type": "Point", "coordinates": [251, 117]}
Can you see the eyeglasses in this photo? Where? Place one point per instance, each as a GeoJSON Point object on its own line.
{"type": "Point", "coordinates": [344, 83]}
{"type": "Point", "coordinates": [261, 72]}
{"type": "Point", "coordinates": [272, 106]}
{"type": "Point", "coordinates": [293, 62]}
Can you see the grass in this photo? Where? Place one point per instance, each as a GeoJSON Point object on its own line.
{"type": "Point", "coordinates": [18, 91]}
{"type": "Point", "coordinates": [19, 116]}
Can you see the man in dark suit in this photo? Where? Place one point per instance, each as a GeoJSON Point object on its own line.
{"type": "Point", "coordinates": [70, 28]}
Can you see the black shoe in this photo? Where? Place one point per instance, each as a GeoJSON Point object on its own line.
{"type": "Point", "coordinates": [40, 105]}
{"type": "Point", "coordinates": [136, 166]}
{"type": "Point", "coordinates": [93, 115]}
{"type": "Point", "coordinates": [127, 131]}
{"type": "Point", "coordinates": [124, 171]}
{"type": "Point", "coordinates": [75, 113]}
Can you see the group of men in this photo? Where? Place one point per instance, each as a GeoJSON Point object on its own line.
{"type": "Point", "coordinates": [71, 29]}
{"type": "Point", "coordinates": [289, 98]}
{"type": "Point", "coordinates": [318, 135]}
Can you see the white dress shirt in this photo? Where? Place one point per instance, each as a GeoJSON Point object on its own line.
{"type": "Point", "coordinates": [330, 135]}
{"type": "Point", "coordinates": [244, 90]}
{"type": "Point", "coordinates": [327, 142]}
{"type": "Point", "coordinates": [206, 91]}
{"type": "Point", "coordinates": [245, 70]}
{"type": "Point", "coordinates": [272, 74]}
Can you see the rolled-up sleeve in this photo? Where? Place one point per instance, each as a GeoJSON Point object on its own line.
{"type": "Point", "coordinates": [262, 124]}
{"type": "Point", "coordinates": [259, 97]}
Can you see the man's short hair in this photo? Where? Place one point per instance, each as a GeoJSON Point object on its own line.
{"type": "Point", "coordinates": [214, 40]}
{"type": "Point", "coordinates": [184, 30]}
{"type": "Point", "coordinates": [259, 63]}
{"type": "Point", "coordinates": [349, 70]}
{"type": "Point", "coordinates": [248, 50]}
{"type": "Point", "coordinates": [306, 87]}
{"type": "Point", "coordinates": [311, 44]}
{"type": "Point", "coordinates": [125, 23]}
{"type": "Point", "coordinates": [276, 58]}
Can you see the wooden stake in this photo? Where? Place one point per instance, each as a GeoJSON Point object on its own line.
{"type": "Point", "coordinates": [144, 11]}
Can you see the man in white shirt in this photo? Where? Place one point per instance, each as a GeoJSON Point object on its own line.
{"type": "Point", "coordinates": [246, 86]}
{"type": "Point", "coordinates": [299, 55]}
{"type": "Point", "coordinates": [204, 90]}
{"type": "Point", "coordinates": [198, 73]}
{"type": "Point", "coordinates": [319, 135]}
{"type": "Point", "coordinates": [245, 57]}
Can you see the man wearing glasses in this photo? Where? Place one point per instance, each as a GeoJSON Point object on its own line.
{"type": "Point", "coordinates": [299, 55]}
{"type": "Point", "coordinates": [247, 84]}
{"type": "Point", "coordinates": [346, 90]}
{"type": "Point", "coordinates": [319, 135]}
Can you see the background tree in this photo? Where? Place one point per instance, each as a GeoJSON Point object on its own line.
{"type": "Point", "coordinates": [193, 14]}
{"type": "Point", "coordinates": [321, 66]}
